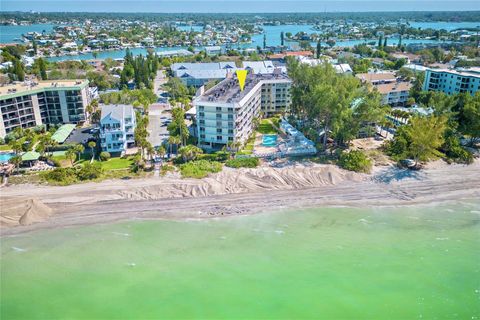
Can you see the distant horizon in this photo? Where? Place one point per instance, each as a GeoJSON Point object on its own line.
{"type": "Point", "coordinates": [234, 6]}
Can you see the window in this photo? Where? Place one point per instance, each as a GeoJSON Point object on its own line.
{"type": "Point", "coordinates": [201, 108]}
{"type": "Point", "coordinates": [202, 136]}
{"type": "Point", "coordinates": [219, 116]}
{"type": "Point", "coordinates": [219, 130]}
{"type": "Point", "coordinates": [219, 138]}
{"type": "Point", "coordinates": [202, 129]}
{"type": "Point", "coordinates": [219, 109]}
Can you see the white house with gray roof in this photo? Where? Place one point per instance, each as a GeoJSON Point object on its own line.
{"type": "Point", "coordinates": [197, 74]}
{"type": "Point", "coordinates": [117, 125]}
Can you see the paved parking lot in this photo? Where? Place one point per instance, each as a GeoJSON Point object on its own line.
{"type": "Point", "coordinates": [80, 135]}
{"type": "Point", "coordinates": [159, 115]}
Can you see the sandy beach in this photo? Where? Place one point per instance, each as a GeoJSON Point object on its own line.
{"type": "Point", "coordinates": [231, 192]}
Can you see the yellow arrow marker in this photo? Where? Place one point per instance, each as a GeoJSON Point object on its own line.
{"type": "Point", "coordinates": [242, 76]}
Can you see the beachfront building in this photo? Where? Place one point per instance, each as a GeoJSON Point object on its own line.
{"type": "Point", "coordinates": [117, 125]}
{"type": "Point", "coordinates": [31, 104]}
{"type": "Point", "coordinates": [225, 113]}
{"type": "Point", "coordinates": [452, 81]}
{"type": "Point", "coordinates": [197, 74]}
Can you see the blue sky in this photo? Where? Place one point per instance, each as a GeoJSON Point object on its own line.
{"type": "Point", "coordinates": [236, 6]}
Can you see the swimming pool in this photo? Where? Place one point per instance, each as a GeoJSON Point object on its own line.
{"type": "Point", "coordinates": [4, 157]}
{"type": "Point", "coordinates": [269, 140]}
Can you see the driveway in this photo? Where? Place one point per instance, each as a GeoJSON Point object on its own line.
{"type": "Point", "coordinates": [158, 116]}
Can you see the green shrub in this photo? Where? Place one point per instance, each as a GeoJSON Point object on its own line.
{"type": "Point", "coordinates": [166, 168]}
{"type": "Point", "coordinates": [61, 176]}
{"type": "Point", "coordinates": [355, 161]}
{"type": "Point", "coordinates": [455, 152]}
{"type": "Point", "coordinates": [104, 156]}
{"type": "Point", "coordinates": [200, 168]}
{"type": "Point", "coordinates": [90, 171]}
{"type": "Point", "coordinates": [220, 156]}
{"type": "Point", "coordinates": [243, 163]}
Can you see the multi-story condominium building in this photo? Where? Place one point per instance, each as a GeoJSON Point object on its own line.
{"type": "Point", "coordinates": [395, 94]}
{"type": "Point", "coordinates": [30, 104]}
{"type": "Point", "coordinates": [452, 81]}
{"type": "Point", "coordinates": [225, 113]}
{"type": "Point", "coordinates": [117, 125]}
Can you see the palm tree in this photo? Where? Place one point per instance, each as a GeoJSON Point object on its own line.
{"type": "Point", "coordinates": [16, 161]}
{"type": "Point", "coordinates": [173, 140]}
{"type": "Point", "coordinates": [71, 155]}
{"type": "Point", "coordinates": [16, 146]}
{"type": "Point", "coordinates": [189, 152]}
{"type": "Point", "coordinates": [79, 149]}
{"type": "Point", "coordinates": [150, 150]}
{"type": "Point", "coordinates": [161, 153]}
{"type": "Point", "coordinates": [92, 146]}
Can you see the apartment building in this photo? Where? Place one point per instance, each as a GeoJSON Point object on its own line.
{"type": "Point", "coordinates": [395, 94]}
{"type": "Point", "coordinates": [377, 78]}
{"type": "Point", "coordinates": [117, 125]}
{"type": "Point", "coordinates": [225, 113]}
{"type": "Point", "coordinates": [30, 104]}
{"type": "Point", "coordinates": [452, 81]}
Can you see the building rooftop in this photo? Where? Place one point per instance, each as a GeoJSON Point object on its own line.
{"type": "Point", "coordinates": [34, 87]}
{"type": "Point", "coordinates": [206, 74]}
{"type": "Point", "coordinates": [176, 67]}
{"type": "Point", "coordinates": [228, 91]}
{"type": "Point", "coordinates": [459, 72]}
{"type": "Point", "coordinates": [393, 87]}
{"type": "Point", "coordinates": [291, 54]}
{"type": "Point", "coordinates": [375, 77]}
{"type": "Point", "coordinates": [116, 111]}
{"type": "Point", "coordinates": [63, 132]}
{"type": "Point", "coordinates": [259, 66]}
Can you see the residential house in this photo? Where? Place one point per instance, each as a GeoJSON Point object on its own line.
{"type": "Point", "coordinates": [117, 125]}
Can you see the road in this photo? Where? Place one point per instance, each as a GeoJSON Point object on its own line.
{"type": "Point", "coordinates": [159, 81]}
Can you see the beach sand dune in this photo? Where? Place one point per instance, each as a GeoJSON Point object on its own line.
{"type": "Point", "coordinates": [231, 192]}
{"type": "Point", "coordinates": [243, 180]}
{"type": "Point", "coordinates": [23, 212]}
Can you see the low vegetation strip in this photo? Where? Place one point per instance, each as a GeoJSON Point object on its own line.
{"type": "Point", "coordinates": [200, 168]}
{"type": "Point", "coordinates": [243, 163]}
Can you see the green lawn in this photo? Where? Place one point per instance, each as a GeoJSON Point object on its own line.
{"type": "Point", "coordinates": [248, 149]}
{"type": "Point", "coordinates": [117, 163]}
{"type": "Point", "coordinates": [5, 147]}
{"type": "Point", "coordinates": [266, 127]}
